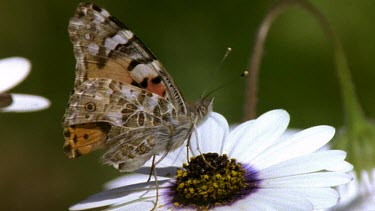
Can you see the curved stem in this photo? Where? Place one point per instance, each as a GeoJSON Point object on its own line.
{"type": "Point", "coordinates": [254, 62]}
{"type": "Point", "coordinates": [351, 104]}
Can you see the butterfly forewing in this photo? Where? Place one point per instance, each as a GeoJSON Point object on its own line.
{"type": "Point", "coordinates": [106, 48]}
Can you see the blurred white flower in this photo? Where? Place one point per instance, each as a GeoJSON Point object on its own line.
{"type": "Point", "coordinates": [12, 72]}
{"type": "Point", "coordinates": [359, 194]}
{"type": "Point", "coordinates": [246, 168]}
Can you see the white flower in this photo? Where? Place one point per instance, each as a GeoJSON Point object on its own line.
{"type": "Point", "coordinates": [12, 72]}
{"type": "Point", "coordinates": [358, 195]}
{"type": "Point", "coordinates": [271, 174]}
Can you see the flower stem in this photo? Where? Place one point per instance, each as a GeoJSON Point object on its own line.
{"type": "Point", "coordinates": [352, 108]}
{"type": "Point", "coordinates": [254, 62]}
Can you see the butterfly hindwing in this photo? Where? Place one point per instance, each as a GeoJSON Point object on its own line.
{"type": "Point", "coordinates": [123, 105]}
{"type": "Point", "coordinates": [130, 149]}
{"type": "Point", "coordinates": [99, 107]}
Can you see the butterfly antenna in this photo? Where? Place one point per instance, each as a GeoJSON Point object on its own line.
{"type": "Point", "coordinates": [227, 52]}
{"type": "Point", "coordinates": [242, 75]}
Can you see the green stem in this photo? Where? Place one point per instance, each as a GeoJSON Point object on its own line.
{"type": "Point", "coordinates": [352, 108]}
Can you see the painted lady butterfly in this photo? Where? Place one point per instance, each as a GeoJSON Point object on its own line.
{"type": "Point", "coordinates": [124, 100]}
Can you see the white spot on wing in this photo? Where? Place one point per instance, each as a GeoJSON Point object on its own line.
{"type": "Point", "coordinates": [119, 39]}
{"type": "Point", "coordinates": [126, 91]}
{"type": "Point", "coordinates": [157, 65]}
{"type": "Point", "coordinates": [110, 44]}
{"type": "Point", "coordinates": [93, 48]}
{"type": "Point", "coordinates": [87, 36]}
{"type": "Point", "coordinates": [142, 71]}
{"type": "Point", "coordinates": [98, 18]}
{"type": "Point", "coordinates": [152, 102]}
{"type": "Point", "coordinates": [122, 37]}
{"type": "Point", "coordinates": [105, 13]}
{"type": "Point", "coordinates": [126, 33]}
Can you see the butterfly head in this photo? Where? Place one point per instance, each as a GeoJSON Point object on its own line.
{"type": "Point", "coordinates": [204, 107]}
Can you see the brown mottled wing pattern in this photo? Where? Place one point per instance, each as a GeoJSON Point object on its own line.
{"type": "Point", "coordinates": [122, 105]}
{"type": "Point", "coordinates": [106, 48]}
{"type": "Point", "coordinates": [142, 123]}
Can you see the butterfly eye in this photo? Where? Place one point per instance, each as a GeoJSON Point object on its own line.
{"type": "Point", "coordinates": [90, 107]}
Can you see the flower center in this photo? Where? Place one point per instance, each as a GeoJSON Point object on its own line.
{"type": "Point", "coordinates": [5, 100]}
{"type": "Point", "coordinates": [210, 180]}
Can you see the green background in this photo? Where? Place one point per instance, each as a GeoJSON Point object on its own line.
{"type": "Point", "coordinates": [189, 38]}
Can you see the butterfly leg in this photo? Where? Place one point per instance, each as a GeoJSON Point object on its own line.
{"type": "Point", "coordinates": [152, 168]}
{"type": "Point", "coordinates": [187, 146]}
{"type": "Point", "coordinates": [153, 172]}
{"type": "Point", "coordinates": [196, 137]}
{"type": "Point", "coordinates": [198, 148]}
{"type": "Point", "coordinates": [190, 132]}
{"type": "Point", "coordinates": [156, 185]}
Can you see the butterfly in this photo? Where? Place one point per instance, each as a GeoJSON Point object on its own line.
{"type": "Point", "coordinates": [124, 101]}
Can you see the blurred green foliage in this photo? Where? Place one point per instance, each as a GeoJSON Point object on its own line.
{"type": "Point", "coordinates": [190, 38]}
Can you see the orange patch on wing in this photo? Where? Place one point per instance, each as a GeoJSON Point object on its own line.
{"type": "Point", "coordinates": [84, 138]}
{"type": "Point", "coordinates": [158, 89]}
{"type": "Point", "coordinates": [113, 69]}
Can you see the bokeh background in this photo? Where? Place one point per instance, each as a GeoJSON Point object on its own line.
{"type": "Point", "coordinates": [190, 38]}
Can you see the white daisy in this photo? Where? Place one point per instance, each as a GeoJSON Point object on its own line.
{"type": "Point", "coordinates": [247, 168]}
{"type": "Point", "coordinates": [359, 194]}
{"type": "Point", "coordinates": [12, 72]}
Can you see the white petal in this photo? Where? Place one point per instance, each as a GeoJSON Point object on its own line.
{"type": "Point", "coordinates": [358, 194]}
{"type": "Point", "coordinates": [142, 205]}
{"type": "Point", "coordinates": [320, 198]}
{"type": "Point", "coordinates": [256, 136]}
{"type": "Point", "coordinates": [235, 134]}
{"type": "Point", "coordinates": [130, 179]}
{"type": "Point", "coordinates": [174, 158]}
{"type": "Point", "coordinates": [126, 194]}
{"type": "Point", "coordinates": [342, 167]}
{"type": "Point", "coordinates": [289, 132]}
{"type": "Point", "coordinates": [299, 144]}
{"type": "Point", "coordinates": [210, 136]}
{"type": "Point", "coordinates": [222, 208]}
{"type": "Point", "coordinates": [26, 103]}
{"type": "Point", "coordinates": [127, 179]}
{"type": "Point", "coordinates": [318, 161]}
{"type": "Point", "coordinates": [269, 199]}
{"type": "Point", "coordinates": [13, 71]}
{"type": "Point", "coordinates": [312, 180]}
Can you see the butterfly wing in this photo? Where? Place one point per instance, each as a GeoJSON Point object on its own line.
{"type": "Point", "coordinates": [123, 105]}
{"type": "Point", "coordinates": [99, 107]}
{"type": "Point", "coordinates": [106, 48]}
{"type": "Point", "coordinates": [131, 149]}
